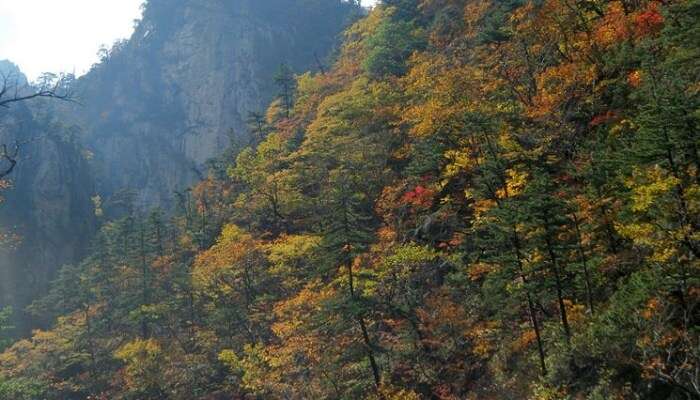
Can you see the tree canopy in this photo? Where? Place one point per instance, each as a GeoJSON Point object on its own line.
{"type": "Point", "coordinates": [478, 200]}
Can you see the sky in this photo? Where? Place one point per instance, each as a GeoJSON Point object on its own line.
{"type": "Point", "coordinates": [64, 35]}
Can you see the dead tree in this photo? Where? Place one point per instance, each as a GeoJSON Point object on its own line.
{"type": "Point", "coordinates": [11, 91]}
{"type": "Point", "coordinates": [52, 86]}
{"type": "Point", "coordinates": [10, 157]}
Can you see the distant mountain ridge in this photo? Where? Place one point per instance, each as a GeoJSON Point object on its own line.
{"type": "Point", "coordinates": [10, 71]}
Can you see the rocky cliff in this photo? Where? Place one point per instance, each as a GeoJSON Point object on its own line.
{"type": "Point", "coordinates": [164, 102]}
{"type": "Point", "coordinates": [48, 208]}
{"type": "Point", "coordinates": [149, 116]}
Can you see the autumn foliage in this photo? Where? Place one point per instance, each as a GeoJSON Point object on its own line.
{"type": "Point", "coordinates": [479, 200]}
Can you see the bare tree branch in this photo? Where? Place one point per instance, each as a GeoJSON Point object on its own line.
{"type": "Point", "coordinates": [12, 92]}
{"type": "Point", "coordinates": [10, 157]}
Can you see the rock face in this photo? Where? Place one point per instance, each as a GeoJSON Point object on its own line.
{"type": "Point", "coordinates": [48, 207]}
{"type": "Point", "coordinates": [164, 102]}
{"type": "Point", "coordinates": [150, 115]}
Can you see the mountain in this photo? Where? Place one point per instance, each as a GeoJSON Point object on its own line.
{"type": "Point", "coordinates": [190, 74]}
{"type": "Point", "coordinates": [475, 200]}
{"type": "Point", "coordinates": [11, 72]}
{"type": "Point", "coordinates": [48, 208]}
{"type": "Point", "coordinates": [147, 119]}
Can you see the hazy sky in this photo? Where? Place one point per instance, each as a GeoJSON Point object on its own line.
{"type": "Point", "coordinates": [64, 35]}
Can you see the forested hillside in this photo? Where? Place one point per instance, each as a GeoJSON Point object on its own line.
{"type": "Point", "coordinates": [144, 122]}
{"type": "Point", "coordinates": [479, 199]}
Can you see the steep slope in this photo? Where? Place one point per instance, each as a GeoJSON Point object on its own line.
{"type": "Point", "coordinates": [149, 116]}
{"type": "Point", "coordinates": [47, 211]}
{"type": "Point", "coordinates": [479, 200]}
{"type": "Point", "coordinates": [190, 75]}
{"type": "Point", "coordinates": [48, 207]}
